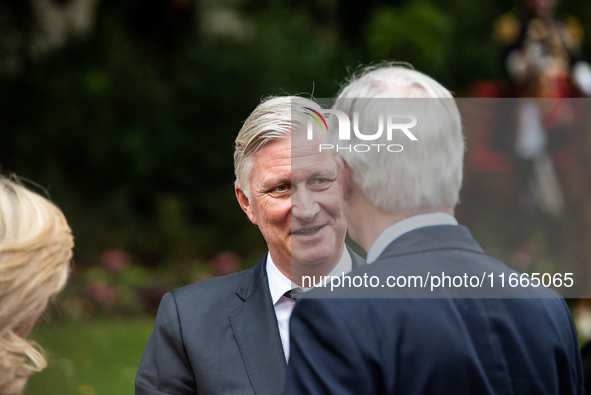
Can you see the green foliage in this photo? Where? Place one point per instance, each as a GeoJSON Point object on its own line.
{"type": "Point", "coordinates": [117, 287]}
{"type": "Point", "coordinates": [135, 141]}
{"type": "Point", "coordinates": [392, 33]}
{"type": "Point", "coordinates": [131, 127]}
{"type": "Point", "coordinates": [91, 358]}
{"type": "Point", "coordinates": [450, 40]}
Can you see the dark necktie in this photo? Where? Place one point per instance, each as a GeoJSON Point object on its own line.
{"type": "Point", "coordinates": [293, 294]}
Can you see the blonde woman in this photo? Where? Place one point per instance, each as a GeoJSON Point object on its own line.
{"type": "Point", "coordinates": [35, 251]}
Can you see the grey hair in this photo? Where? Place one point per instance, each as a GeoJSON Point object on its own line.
{"type": "Point", "coordinates": [273, 119]}
{"type": "Point", "coordinates": [427, 174]}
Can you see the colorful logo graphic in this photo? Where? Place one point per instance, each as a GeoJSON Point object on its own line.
{"type": "Point", "coordinates": [318, 115]}
{"type": "Point", "coordinates": [388, 123]}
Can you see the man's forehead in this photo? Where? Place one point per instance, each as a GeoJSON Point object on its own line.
{"type": "Point", "coordinates": [296, 148]}
{"type": "Point", "coordinates": [312, 164]}
{"type": "Point", "coordinates": [304, 144]}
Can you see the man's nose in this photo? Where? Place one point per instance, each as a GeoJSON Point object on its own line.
{"type": "Point", "coordinates": [303, 205]}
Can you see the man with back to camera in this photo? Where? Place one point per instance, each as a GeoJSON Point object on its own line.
{"type": "Point", "coordinates": [230, 334]}
{"type": "Point", "coordinates": [399, 207]}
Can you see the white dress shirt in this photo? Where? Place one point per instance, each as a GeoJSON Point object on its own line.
{"type": "Point", "coordinates": [404, 226]}
{"type": "Point", "coordinates": [279, 284]}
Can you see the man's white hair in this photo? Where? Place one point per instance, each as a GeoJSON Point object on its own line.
{"type": "Point", "coordinates": [273, 119]}
{"type": "Point", "coordinates": [427, 174]}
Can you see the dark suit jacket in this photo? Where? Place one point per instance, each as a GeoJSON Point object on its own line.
{"type": "Point", "coordinates": [456, 343]}
{"type": "Point", "coordinates": [217, 336]}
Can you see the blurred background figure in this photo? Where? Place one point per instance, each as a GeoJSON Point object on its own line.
{"type": "Point", "coordinates": [536, 142]}
{"type": "Point", "coordinates": [542, 58]}
{"type": "Point", "coordinates": [542, 53]}
{"type": "Point", "coordinates": [35, 251]}
{"type": "Point", "coordinates": [533, 156]}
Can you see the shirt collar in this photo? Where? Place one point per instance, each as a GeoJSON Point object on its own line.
{"type": "Point", "coordinates": [404, 226]}
{"type": "Point", "coordinates": [279, 283]}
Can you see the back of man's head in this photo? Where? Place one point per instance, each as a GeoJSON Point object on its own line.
{"type": "Point", "coordinates": [426, 175]}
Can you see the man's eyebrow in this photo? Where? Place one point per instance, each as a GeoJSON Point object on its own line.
{"type": "Point", "coordinates": [323, 172]}
{"type": "Point", "coordinates": [276, 179]}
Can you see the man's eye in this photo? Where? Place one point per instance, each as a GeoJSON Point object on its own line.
{"type": "Point", "coordinates": [322, 181]}
{"type": "Point", "coordinates": [320, 184]}
{"type": "Point", "coordinates": [282, 188]}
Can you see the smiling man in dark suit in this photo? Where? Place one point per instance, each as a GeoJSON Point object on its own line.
{"type": "Point", "coordinates": [230, 335]}
{"type": "Point", "coordinates": [458, 335]}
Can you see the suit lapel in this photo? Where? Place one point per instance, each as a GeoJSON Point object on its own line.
{"type": "Point", "coordinates": [255, 328]}
{"type": "Point", "coordinates": [356, 260]}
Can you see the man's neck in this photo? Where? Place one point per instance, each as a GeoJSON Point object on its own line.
{"type": "Point", "coordinates": [374, 222]}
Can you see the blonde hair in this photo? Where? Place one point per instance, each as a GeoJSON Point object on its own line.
{"type": "Point", "coordinates": [35, 251]}
{"type": "Point", "coordinates": [273, 119]}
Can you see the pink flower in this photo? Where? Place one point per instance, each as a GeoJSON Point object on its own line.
{"type": "Point", "coordinates": [115, 260]}
{"type": "Point", "coordinates": [102, 294]}
{"type": "Point", "coordinates": [524, 255]}
{"type": "Point", "coordinates": [225, 263]}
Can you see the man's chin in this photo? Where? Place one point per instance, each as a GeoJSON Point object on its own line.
{"type": "Point", "coordinates": [312, 260]}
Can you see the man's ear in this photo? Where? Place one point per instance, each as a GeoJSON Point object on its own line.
{"type": "Point", "coordinates": [346, 178]}
{"type": "Point", "coordinates": [245, 204]}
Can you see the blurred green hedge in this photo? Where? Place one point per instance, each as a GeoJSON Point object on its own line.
{"type": "Point", "coordinates": [130, 127]}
